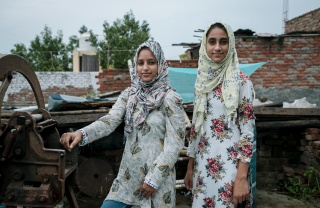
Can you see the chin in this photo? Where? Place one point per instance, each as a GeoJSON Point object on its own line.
{"type": "Point", "coordinates": [216, 60]}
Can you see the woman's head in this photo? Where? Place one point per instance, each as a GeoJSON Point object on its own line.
{"type": "Point", "coordinates": [149, 64]}
{"type": "Point", "coordinates": [149, 83]}
{"type": "Point", "coordinates": [217, 42]}
{"type": "Point", "coordinates": [218, 64]}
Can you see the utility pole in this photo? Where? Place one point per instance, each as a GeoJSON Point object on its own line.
{"type": "Point", "coordinates": [285, 14]}
{"type": "Point", "coordinates": [108, 54]}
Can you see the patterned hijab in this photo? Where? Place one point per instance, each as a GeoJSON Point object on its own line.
{"type": "Point", "coordinates": [211, 74]}
{"type": "Point", "coordinates": [149, 94]}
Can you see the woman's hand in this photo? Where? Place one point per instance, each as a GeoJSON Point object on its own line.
{"type": "Point", "coordinates": [147, 191]}
{"type": "Point", "coordinates": [188, 179]}
{"type": "Point", "coordinates": [70, 139]}
{"type": "Point", "coordinates": [189, 174]}
{"type": "Point", "coordinates": [240, 191]}
{"type": "Point", "coordinates": [240, 186]}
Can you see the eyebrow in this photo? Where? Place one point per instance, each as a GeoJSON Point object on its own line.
{"type": "Point", "coordinates": [153, 59]}
{"type": "Point", "coordinates": [220, 38]}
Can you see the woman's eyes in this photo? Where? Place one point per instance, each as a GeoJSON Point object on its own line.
{"type": "Point", "coordinates": [140, 63]}
{"type": "Point", "coordinates": [224, 42]}
{"type": "Point", "coordinates": [221, 42]}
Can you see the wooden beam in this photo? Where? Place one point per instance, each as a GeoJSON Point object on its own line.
{"type": "Point", "coordinates": [288, 124]}
{"type": "Point", "coordinates": [70, 118]}
{"type": "Point", "coordinates": [276, 111]}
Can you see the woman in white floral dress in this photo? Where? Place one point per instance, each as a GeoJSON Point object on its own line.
{"type": "Point", "coordinates": [154, 132]}
{"type": "Point", "coordinates": [222, 134]}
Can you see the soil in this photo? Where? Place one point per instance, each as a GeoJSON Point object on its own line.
{"type": "Point", "coordinates": [265, 199]}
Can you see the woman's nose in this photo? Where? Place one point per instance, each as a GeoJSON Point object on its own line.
{"type": "Point", "coordinates": [145, 66]}
{"type": "Point", "coordinates": [217, 47]}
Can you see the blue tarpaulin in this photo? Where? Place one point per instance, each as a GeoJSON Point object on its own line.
{"type": "Point", "coordinates": [183, 79]}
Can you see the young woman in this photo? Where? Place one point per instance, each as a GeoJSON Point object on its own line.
{"type": "Point", "coordinates": [154, 132]}
{"type": "Point", "coordinates": [222, 133]}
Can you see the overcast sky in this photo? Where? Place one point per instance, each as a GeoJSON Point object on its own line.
{"type": "Point", "coordinates": [170, 21]}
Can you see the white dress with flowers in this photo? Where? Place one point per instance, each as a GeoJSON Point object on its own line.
{"type": "Point", "coordinates": [217, 148]}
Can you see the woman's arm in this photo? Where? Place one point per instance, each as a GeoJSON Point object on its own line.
{"type": "Point", "coordinates": [108, 123]}
{"type": "Point", "coordinates": [100, 128]}
{"type": "Point", "coordinates": [246, 141]}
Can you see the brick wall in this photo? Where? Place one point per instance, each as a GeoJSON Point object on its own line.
{"type": "Point", "coordinates": [293, 68]}
{"type": "Point", "coordinates": [292, 72]}
{"type": "Point", "coordinates": [19, 92]}
{"type": "Point", "coordinates": [306, 22]}
{"type": "Point", "coordinates": [113, 80]}
{"type": "Point", "coordinates": [286, 152]}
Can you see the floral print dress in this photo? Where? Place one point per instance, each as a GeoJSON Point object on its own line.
{"type": "Point", "coordinates": [217, 148]}
{"type": "Point", "coordinates": [151, 150]}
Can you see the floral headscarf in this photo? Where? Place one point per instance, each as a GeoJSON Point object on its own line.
{"type": "Point", "coordinates": [149, 94]}
{"type": "Point", "coordinates": [211, 74]}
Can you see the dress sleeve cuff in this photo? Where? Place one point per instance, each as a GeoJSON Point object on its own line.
{"type": "Point", "coordinates": [85, 139]}
{"type": "Point", "coordinates": [191, 150]}
{"type": "Point", "coordinates": [244, 160]}
{"type": "Point", "coordinates": [151, 183]}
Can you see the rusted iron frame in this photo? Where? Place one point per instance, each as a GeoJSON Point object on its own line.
{"type": "Point", "coordinates": [14, 63]}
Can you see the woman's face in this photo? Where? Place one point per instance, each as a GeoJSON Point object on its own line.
{"type": "Point", "coordinates": [217, 44]}
{"type": "Point", "coordinates": [147, 65]}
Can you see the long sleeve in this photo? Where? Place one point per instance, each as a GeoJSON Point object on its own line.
{"type": "Point", "coordinates": [108, 123]}
{"type": "Point", "coordinates": [246, 121]}
{"type": "Point", "coordinates": [175, 125]}
{"type": "Point", "coordinates": [191, 152]}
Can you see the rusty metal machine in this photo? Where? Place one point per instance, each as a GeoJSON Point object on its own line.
{"type": "Point", "coordinates": [35, 170]}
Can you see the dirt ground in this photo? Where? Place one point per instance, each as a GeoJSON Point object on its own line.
{"type": "Point", "coordinates": [265, 199]}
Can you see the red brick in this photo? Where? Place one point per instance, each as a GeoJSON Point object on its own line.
{"type": "Point", "coordinates": [312, 137]}
{"type": "Point", "coordinates": [316, 145]}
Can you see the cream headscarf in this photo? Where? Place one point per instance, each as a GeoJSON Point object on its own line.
{"type": "Point", "coordinates": [149, 94]}
{"type": "Point", "coordinates": [211, 74]}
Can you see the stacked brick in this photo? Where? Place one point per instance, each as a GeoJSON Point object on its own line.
{"type": "Point", "coordinates": [311, 148]}
{"type": "Point", "coordinates": [306, 22]}
{"type": "Point", "coordinates": [113, 80]}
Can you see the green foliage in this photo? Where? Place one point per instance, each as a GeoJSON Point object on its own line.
{"type": "Point", "coordinates": [297, 189]}
{"type": "Point", "coordinates": [83, 29]}
{"type": "Point", "coordinates": [49, 53]}
{"type": "Point", "coordinates": [21, 50]}
{"type": "Point", "coordinates": [313, 178]}
{"type": "Point", "coordinates": [46, 52]}
{"type": "Point", "coordinates": [121, 40]}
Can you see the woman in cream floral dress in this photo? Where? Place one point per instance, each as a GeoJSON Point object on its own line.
{"type": "Point", "coordinates": [154, 132]}
{"type": "Point", "coordinates": [222, 134]}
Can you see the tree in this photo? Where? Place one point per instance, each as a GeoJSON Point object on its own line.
{"type": "Point", "coordinates": [21, 50]}
{"type": "Point", "coordinates": [49, 53]}
{"type": "Point", "coordinates": [46, 53]}
{"type": "Point", "coordinates": [121, 41]}
{"type": "Point", "coordinates": [83, 29]}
